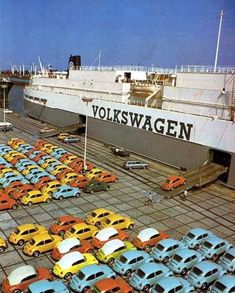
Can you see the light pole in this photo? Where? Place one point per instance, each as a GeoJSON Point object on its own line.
{"type": "Point", "coordinates": [86, 100]}
{"type": "Point", "coordinates": [4, 87]}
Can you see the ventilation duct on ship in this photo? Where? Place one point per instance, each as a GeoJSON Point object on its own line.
{"type": "Point", "coordinates": [74, 62]}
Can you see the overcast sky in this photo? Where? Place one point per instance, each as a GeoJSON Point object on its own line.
{"type": "Point", "coordinates": [146, 32]}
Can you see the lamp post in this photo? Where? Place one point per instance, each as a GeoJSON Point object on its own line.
{"type": "Point", "coordinates": [4, 87]}
{"type": "Point", "coordinates": [86, 100]}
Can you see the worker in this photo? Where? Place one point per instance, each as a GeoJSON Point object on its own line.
{"type": "Point", "coordinates": [150, 199]}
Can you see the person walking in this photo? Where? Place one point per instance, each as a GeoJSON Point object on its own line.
{"type": "Point", "coordinates": [150, 199]}
{"type": "Point", "coordinates": [184, 195]}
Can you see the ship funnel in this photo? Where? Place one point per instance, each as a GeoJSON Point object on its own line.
{"type": "Point", "coordinates": [74, 62]}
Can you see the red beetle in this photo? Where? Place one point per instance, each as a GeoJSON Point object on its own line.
{"type": "Point", "coordinates": [7, 203]}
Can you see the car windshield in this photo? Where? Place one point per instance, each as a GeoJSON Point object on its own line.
{"type": "Point", "coordinates": [17, 231]}
{"type": "Point", "coordinates": [32, 242]}
{"type": "Point", "coordinates": [93, 214]}
{"type": "Point", "coordinates": [123, 259]}
{"type": "Point", "coordinates": [207, 244]}
{"type": "Point", "coordinates": [229, 256]}
{"type": "Point", "coordinates": [158, 288]}
{"type": "Point", "coordinates": [95, 290]}
{"type": "Point", "coordinates": [58, 222]}
{"type": "Point", "coordinates": [177, 258]}
{"type": "Point", "coordinates": [197, 271]}
{"type": "Point", "coordinates": [80, 275]}
{"type": "Point", "coordinates": [190, 235]}
{"type": "Point", "coordinates": [160, 247]}
{"type": "Point", "coordinates": [220, 286]}
{"type": "Point", "coordinates": [168, 181]}
{"type": "Point", "coordinates": [140, 273]}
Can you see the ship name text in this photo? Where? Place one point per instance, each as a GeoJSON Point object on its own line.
{"type": "Point", "coordinates": [159, 125]}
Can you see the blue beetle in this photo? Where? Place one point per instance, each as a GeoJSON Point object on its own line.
{"type": "Point", "coordinates": [213, 247]}
{"type": "Point", "coordinates": [43, 286]}
{"type": "Point", "coordinates": [195, 237]}
{"type": "Point", "coordinates": [148, 274]}
{"type": "Point", "coordinates": [204, 274]}
{"type": "Point", "coordinates": [183, 260]}
{"type": "Point", "coordinates": [228, 260]}
{"type": "Point", "coordinates": [172, 284]}
{"type": "Point", "coordinates": [14, 179]}
{"type": "Point", "coordinates": [129, 261]}
{"type": "Point", "coordinates": [225, 284]}
{"type": "Point", "coordinates": [66, 191]}
{"type": "Point", "coordinates": [89, 275]}
{"type": "Point", "coordinates": [34, 154]}
{"type": "Point", "coordinates": [165, 248]}
{"type": "Point", "coordinates": [53, 165]}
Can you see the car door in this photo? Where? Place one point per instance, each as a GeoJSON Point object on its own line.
{"type": "Point", "coordinates": [4, 204]}
{"type": "Point", "coordinates": [49, 244]}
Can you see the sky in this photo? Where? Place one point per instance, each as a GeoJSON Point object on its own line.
{"type": "Point", "coordinates": [162, 33]}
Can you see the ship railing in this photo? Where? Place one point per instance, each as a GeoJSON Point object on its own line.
{"type": "Point", "coordinates": [206, 69]}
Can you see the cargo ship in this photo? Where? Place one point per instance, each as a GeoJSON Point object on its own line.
{"type": "Point", "coordinates": [183, 116]}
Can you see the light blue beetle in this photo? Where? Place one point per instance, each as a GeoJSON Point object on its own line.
{"type": "Point", "coordinates": [65, 191]}
{"type": "Point", "coordinates": [195, 237]}
{"type": "Point", "coordinates": [148, 274]}
{"type": "Point", "coordinates": [47, 286]}
{"type": "Point", "coordinates": [225, 284]}
{"type": "Point", "coordinates": [129, 261]}
{"type": "Point", "coordinates": [204, 274]}
{"type": "Point", "coordinates": [165, 248]}
{"type": "Point", "coordinates": [228, 260]}
{"type": "Point", "coordinates": [173, 284]}
{"type": "Point", "coordinates": [183, 260]}
{"type": "Point", "coordinates": [213, 247]}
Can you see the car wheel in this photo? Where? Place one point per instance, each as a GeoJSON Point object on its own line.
{"type": "Point", "coordinates": [61, 197]}
{"type": "Point", "coordinates": [111, 261]}
{"type": "Point", "coordinates": [29, 204]}
{"type": "Point", "coordinates": [147, 247]}
{"type": "Point", "coordinates": [86, 288]}
{"type": "Point", "coordinates": [36, 253]}
{"type": "Point", "coordinates": [92, 191]}
{"type": "Point", "coordinates": [14, 207]}
{"type": "Point", "coordinates": [116, 180]}
{"type": "Point", "coordinates": [204, 286]}
{"type": "Point", "coordinates": [128, 273]}
{"type": "Point", "coordinates": [2, 249]}
{"type": "Point", "coordinates": [20, 242]}
{"type": "Point", "coordinates": [48, 200]}
{"type": "Point", "coordinates": [107, 188]}
{"type": "Point", "coordinates": [77, 194]}
{"type": "Point", "coordinates": [90, 251]}
{"type": "Point", "coordinates": [61, 233]}
{"type": "Point", "coordinates": [68, 276]}
{"type": "Point", "coordinates": [214, 257]}
{"type": "Point", "coordinates": [146, 288]}
{"type": "Point", "coordinates": [165, 259]}
{"type": "Point", "coordinates": [97, 224]}
{"type": "Point", "coordinates": [131, 226]}
{"type": "Point", "coordinates": [184, 271]}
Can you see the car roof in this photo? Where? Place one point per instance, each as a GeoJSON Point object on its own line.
{"type": "Point", "coordinates": [111, 245]}
{"type": "Point", "coordinates": [20, 273]}
{"type": "Point", "coordinates": [229, 280]}
{"type": "Point", "coordinates": [168, 242]}
{"type": "Point", "coordinates": [105, 233]}
{"type": "Point", "coordinates": [231, 251]}
{"type": "Point", "coordinates": [215, 240]}
{"type": "Point", "coordinates": [92, 269]}
{"type": "Point", "coordinates": [66, 244]}
{"type": "Point", "coordinates": [207, 265]}
{"type": "Point", "coordinates": [146, 234]}
{"type": "Point", "coordinates": [115, 217]}
{"type": "Point", "coordinates": [26, 226]}
{"type": "Point", "coordinates": [133, 253]}
{"type": "Point", "coordinates": [198, 231]}
{"type": "Point", "coordinates": [173, 177]}
{"type": "Point", "coordinates": [169, 282]}
{"type": "Point", "coordinates": [186, 252]}
{"type": "Point", "coordinates": [100, 210]}
{"type": "Point", "coordinates": [69, 258]}
{"type": "Point", "coordinates": [153, 266]}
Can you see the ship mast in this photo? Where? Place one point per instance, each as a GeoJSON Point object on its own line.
{"type": "Point", "coordinates": [218, 39]}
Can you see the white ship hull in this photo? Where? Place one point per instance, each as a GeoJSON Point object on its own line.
{"type": "Point", "coordinates": [180, 139]}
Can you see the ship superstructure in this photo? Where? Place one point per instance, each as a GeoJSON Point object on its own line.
{"type": "Point", "coordinates": [182, 116]}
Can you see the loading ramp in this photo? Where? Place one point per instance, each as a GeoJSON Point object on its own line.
{"type": "Point", "coordinates": [71, 128]}
{"type": "Point", "coordinates": [197, 177]}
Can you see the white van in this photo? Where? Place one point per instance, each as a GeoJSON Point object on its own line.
{"type": "Point", "coordinates": [135, 165]}
{"type": "Point", "coordinates": [5, 126]}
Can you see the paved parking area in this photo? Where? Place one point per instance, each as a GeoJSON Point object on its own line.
{"type": "Point", "coordinates": [212, 208]}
